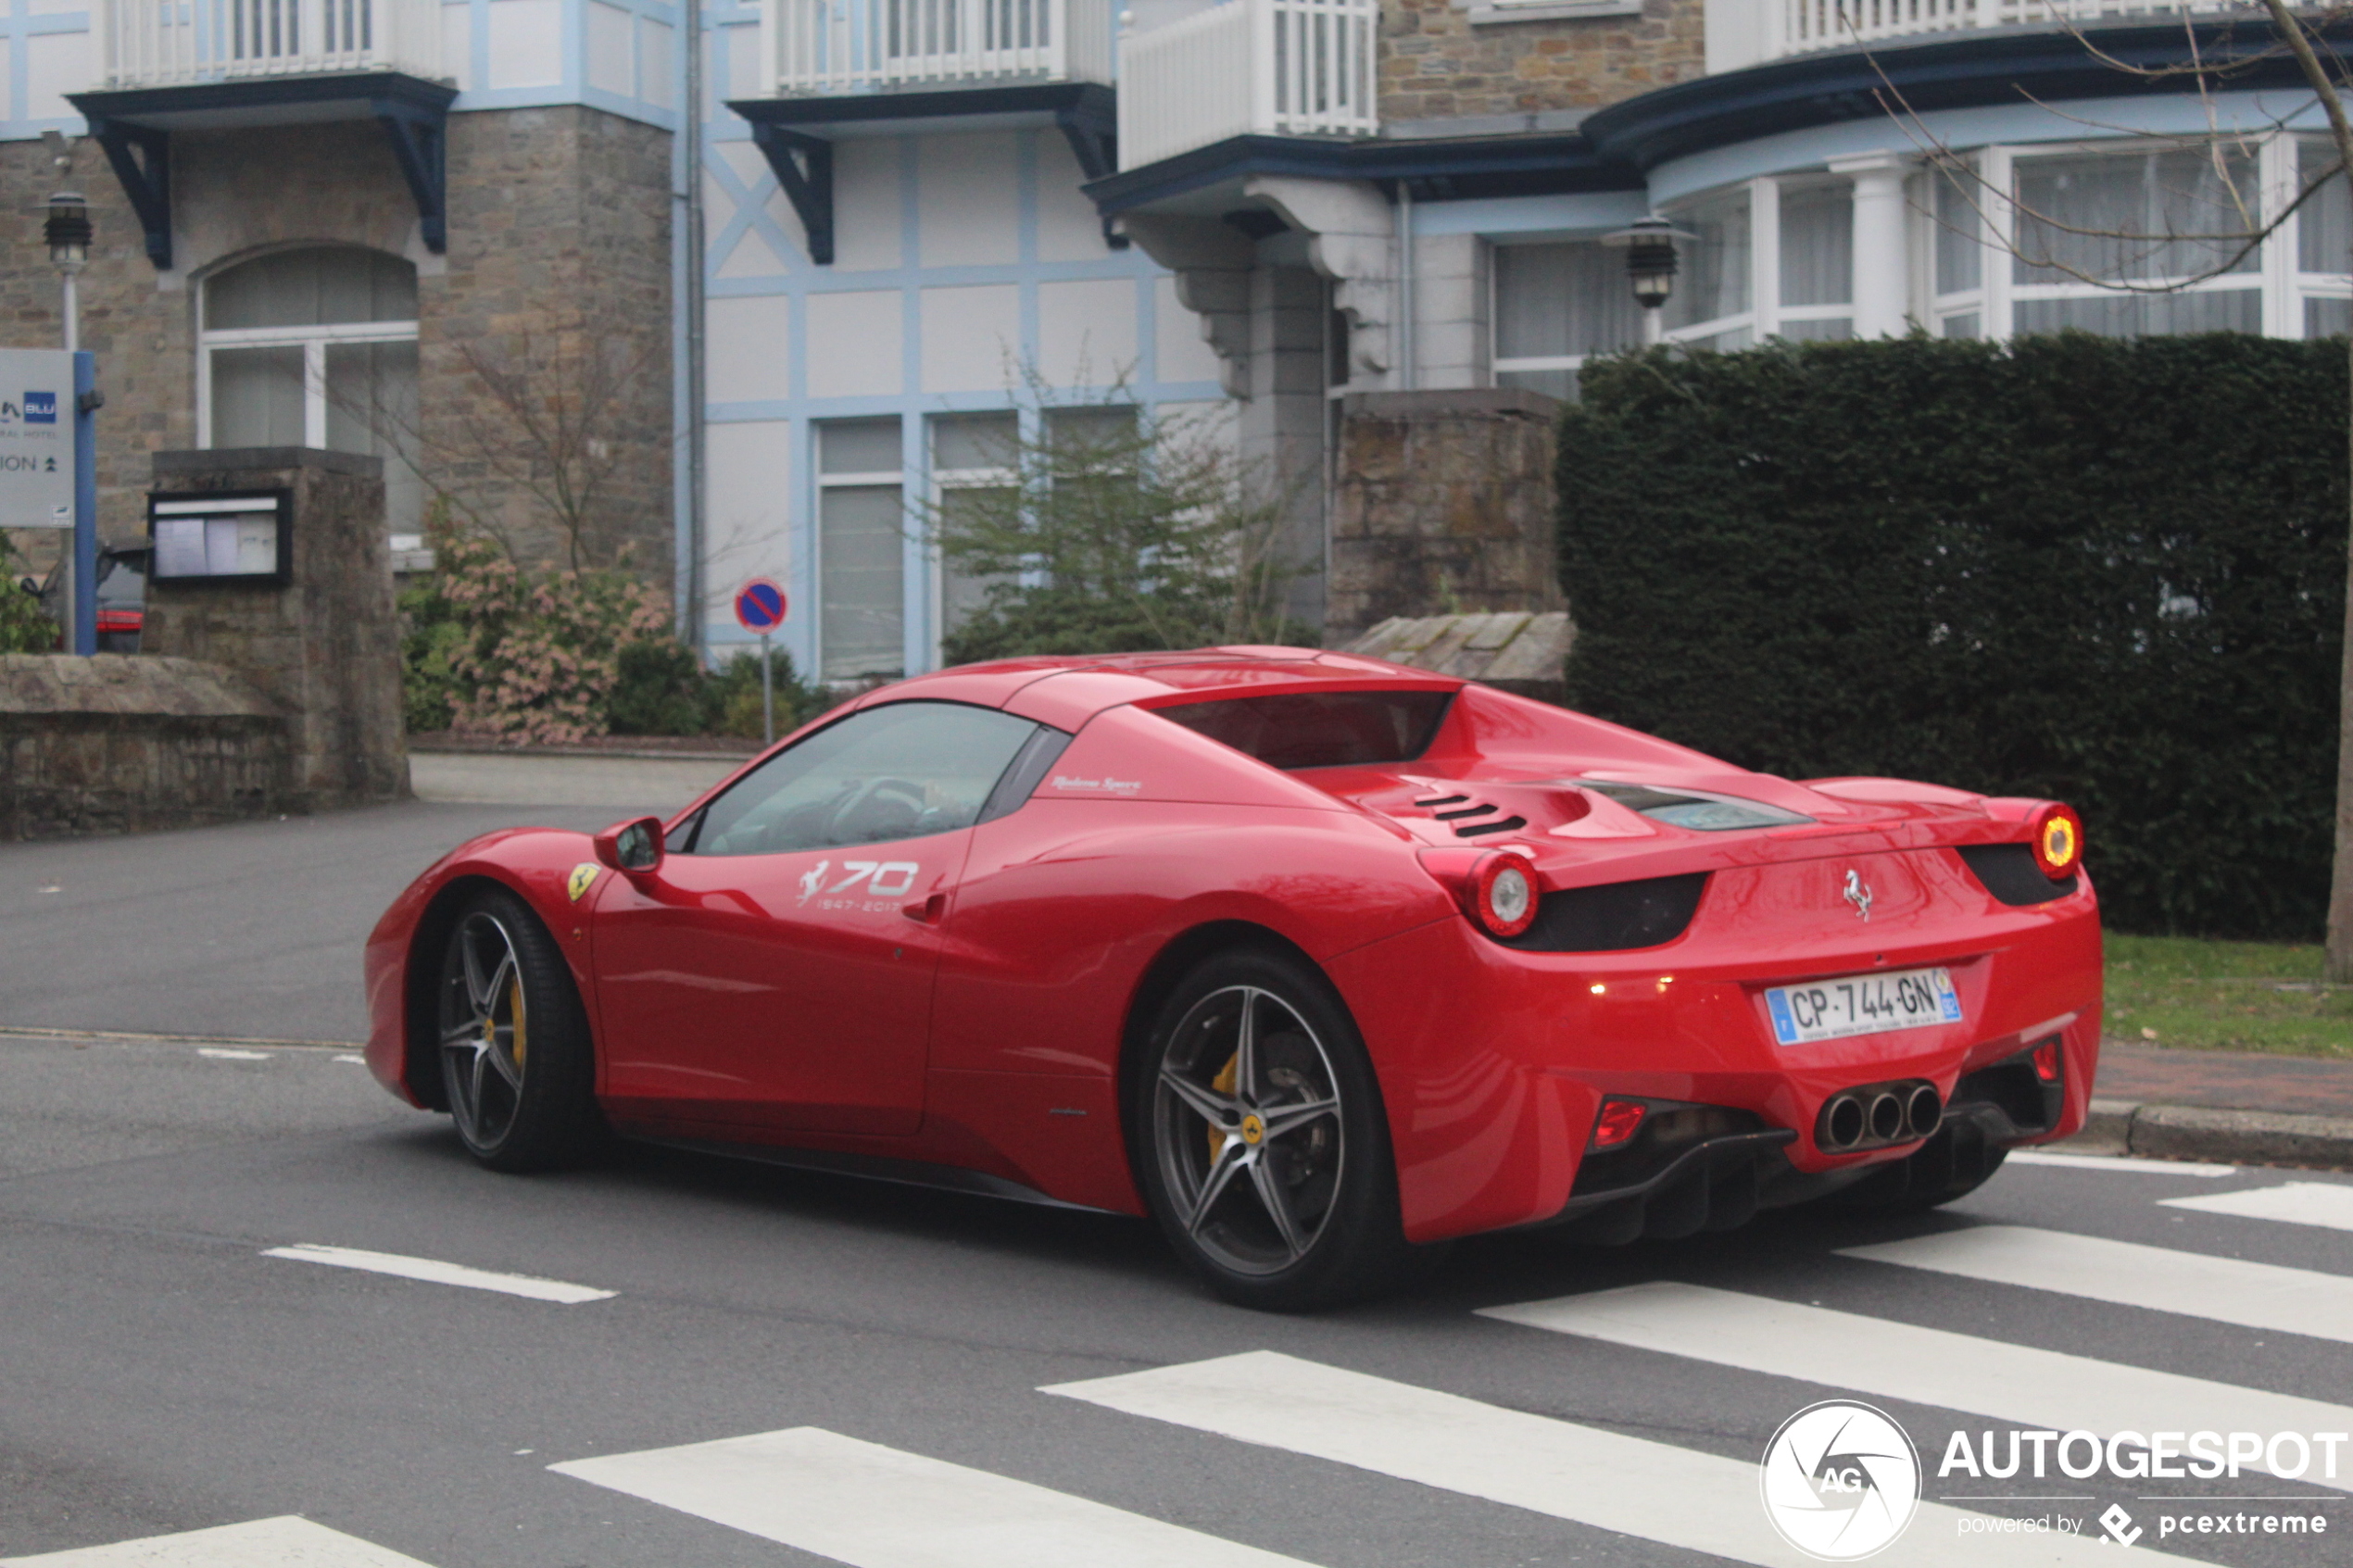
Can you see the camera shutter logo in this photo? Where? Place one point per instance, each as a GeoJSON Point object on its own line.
{"type": "Point", "coordinates": [1840, 1480]}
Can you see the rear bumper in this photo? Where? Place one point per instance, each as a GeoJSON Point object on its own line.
{"type": "Point", "coordinates": [1496, 1062]}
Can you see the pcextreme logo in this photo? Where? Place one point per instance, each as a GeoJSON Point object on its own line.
{"type": "Point", "coordinates": [1840, 1480]}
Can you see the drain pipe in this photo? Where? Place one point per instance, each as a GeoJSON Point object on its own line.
{"type": "Point", "coordinates": [1405, 333]}
{"type": "Point", "coordinates": [690, 609]}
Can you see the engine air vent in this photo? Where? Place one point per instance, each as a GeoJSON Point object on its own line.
{"type": "Point", "coordinates": [1473, 830]}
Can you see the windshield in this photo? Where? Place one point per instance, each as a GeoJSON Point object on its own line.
{"type": "Point", "coordinates": [1689, 809]}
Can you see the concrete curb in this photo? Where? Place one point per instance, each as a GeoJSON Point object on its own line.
{"type": "Point", "coordinates": [2228, 1137]}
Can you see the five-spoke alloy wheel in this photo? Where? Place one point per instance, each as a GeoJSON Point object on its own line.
{"type": "Point", "coordinates": [1262, 1145]}
{"type": "Point", "coordinates": [515, 1062]}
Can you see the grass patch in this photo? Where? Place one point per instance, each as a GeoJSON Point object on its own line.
{"type": "Point", "coordinates": [2226, 995]}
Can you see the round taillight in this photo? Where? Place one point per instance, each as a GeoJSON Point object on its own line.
{"type": "Point", "coordinates": [1503, 895]}
{"type": "Point", "coordinates": [2058, 841]}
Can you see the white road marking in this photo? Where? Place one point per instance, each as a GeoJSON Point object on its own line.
{"type": "Point", "coordinates": [874, 1506]}
{"type": "Point", "coordinates": [287, 1542]}
{"type": "Point", "coordinates": [2227, 1290]}
{"type": "Point", "coordinates": [438, 1272]}
{"type": "Point", "coordinates": [221, 1053]}
{"type": "Point", "coordinates": [347, 1056]}
{"type": "Point", "coordinates": [2118, 1163]}
{"type": "Point", "coordinates": [2014, 1383]}
{"type": "Point", "coordinates": [1652, 1491]}
{"type": "Point", "coordinates": [2297, 1203]}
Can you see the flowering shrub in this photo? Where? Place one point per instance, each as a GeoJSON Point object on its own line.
{"type": "Point", "coordinates": [507, 654]}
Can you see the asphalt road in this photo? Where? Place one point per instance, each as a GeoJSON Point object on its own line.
{"type": "Point", "coordinates": [162, 1372]}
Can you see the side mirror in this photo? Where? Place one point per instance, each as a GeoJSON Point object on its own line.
{"type": "Point", "coordinates": [633, 846]}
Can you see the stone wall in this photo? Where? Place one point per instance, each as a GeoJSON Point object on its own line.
{"type": "Point", "coordinates": [559, 220]}
{"type": "Point", "coordinates": [1444, 503]}
{"type": "Point", "coordinates": [559, 264]}
{"type": "Point", "coordinates": [125, 743]}
{"type": "Point", "coordinates": [1443, 59]}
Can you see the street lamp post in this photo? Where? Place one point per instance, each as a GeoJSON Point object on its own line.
{"type": "Point", "coordinates": [69, 234]}
{"type": "Point", "coordinates": [1651, 263]}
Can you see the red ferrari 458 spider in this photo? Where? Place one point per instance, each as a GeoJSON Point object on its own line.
{"type": "Point", "coordinates": [1315, 959]}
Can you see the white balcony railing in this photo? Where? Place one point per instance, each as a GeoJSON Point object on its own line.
{"type": "Point", "coordinates": [817, 47]}
{"type": "Point", "coordinates": [1797, 27]}
{"type": "Point", "coordinates": [1288, 68]}
{"type": "Point", "coordinates": [171, 42]}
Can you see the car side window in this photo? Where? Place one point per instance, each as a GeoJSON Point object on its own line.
{"type": "Point", "coordinates": [901, 771]}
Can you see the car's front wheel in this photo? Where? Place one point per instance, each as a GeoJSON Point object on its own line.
{"type": "Point", "coordinates": [1261, 1144]}
{"type": "Point", "coordinates": [516, 1063]}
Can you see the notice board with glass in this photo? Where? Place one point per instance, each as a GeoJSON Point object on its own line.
{"type": "Point", "coordinates": [221, 536]}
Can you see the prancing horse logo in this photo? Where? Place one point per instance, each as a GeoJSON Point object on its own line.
{"type": "Point", "coordinates": [813, 879]}
{"type": "Point", "coordinates": [1858, 892]}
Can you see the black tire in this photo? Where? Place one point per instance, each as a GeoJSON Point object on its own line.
{"type": "Point", "coordinates": [517, 1065]}
{"type": "Point", "coordinates": [1276, 1184]}
{"type": "Point", "coordinates": [1953, 1163]}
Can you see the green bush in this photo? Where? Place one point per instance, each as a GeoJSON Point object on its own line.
{"type": "Point", "coordinates": [659, 689]}
{"type": "Point", "coordinates": [734, 696]}
{"type": "Point", "coordinates": [2110, 573]}
{"type": "Point", "coordinates": [25, 627]}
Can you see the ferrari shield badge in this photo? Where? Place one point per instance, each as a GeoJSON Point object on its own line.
{"type": "Point", "coordinates": [584, 876]}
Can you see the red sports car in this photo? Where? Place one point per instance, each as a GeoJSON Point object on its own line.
{"type": "Point", "coordinates": [1314, 958]}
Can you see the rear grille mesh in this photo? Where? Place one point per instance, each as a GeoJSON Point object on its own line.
{"type": "Point", "coordinates": [1614, 916]}
{"type": "Point", "coordinates": [2008, 871]}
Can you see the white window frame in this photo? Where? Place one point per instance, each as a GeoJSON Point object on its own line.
{"type": "Point", "coordinates": [312, 340]}
{"type": "Point", "coordinates": [2004, 262]}
{"type": "Point", "coordinates": [1770, 313]}
{"type": "Point", "coordinates": [1764, 238]}
{"type": "Point", "coordinates": [1499, 365]}
{"type": "Point", "coordinates": [895, 479]}
{"type": "Point", "coordinates": [940, 482]}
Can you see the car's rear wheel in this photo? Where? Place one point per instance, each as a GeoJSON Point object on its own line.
{"type": "Point", "coordinates": [1261, 1144]}
{"type": "Point", "coordinates": [516, 1063]}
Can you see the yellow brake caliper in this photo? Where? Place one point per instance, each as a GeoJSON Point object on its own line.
{"type": "Point", "coordinates": [1224, 1084]}
{"type": "Point", "coordinates": [516, 1037]}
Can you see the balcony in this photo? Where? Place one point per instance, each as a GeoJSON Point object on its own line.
{"type": "Point", "coordinates": [823, 48]}
{"type": "Point", "coordinates": [144, 44]}
{"type": "Point", "coordinates": [1274, 68]}
{"type": "Point", "coordinates": [1779, 28]}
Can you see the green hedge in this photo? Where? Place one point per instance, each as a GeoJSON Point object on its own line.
{"type": "Point", "coordinates": [2110, 573]}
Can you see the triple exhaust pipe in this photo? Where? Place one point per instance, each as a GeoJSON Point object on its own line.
{"type": "Point", "coordinates": [1878, 1114]}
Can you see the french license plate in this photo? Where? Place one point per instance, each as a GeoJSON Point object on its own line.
{"type": "Point", "coordinates": [1862, 1003]}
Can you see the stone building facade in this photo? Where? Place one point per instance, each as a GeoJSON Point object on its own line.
{"type": "Point", "coordinates": [1445, 61]}
{"type": "Point", "coordinates": [558, 253]}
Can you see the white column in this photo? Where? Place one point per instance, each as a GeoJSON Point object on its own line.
{"type": "Point", "coordinates": [1882, 258]}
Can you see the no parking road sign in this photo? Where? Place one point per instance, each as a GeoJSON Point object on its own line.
{"type": "Point", "coordinates": [760, 605]}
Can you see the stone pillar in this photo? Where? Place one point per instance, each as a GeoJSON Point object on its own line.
{"type": "Point", "coordinates": [1882, 255]}
{"type": "Point", "coordinates": [326, 646]}
{"type": "Point", "coordinates": [1444, 503]}
{"type": "Point", "coordinates": [1282, 425]}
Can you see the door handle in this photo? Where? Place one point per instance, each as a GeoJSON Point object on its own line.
{"type": "Point", "coordinates": [928, 912]}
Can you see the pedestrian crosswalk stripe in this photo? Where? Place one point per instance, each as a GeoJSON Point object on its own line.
{"type": "Point", "coordinates": [435, 1271]}
{"type": "Point", "coordinates": [286, 1542]}
{"type": "Point", "coordinates": [2016, 1384]}
{"type": "Point", "coordinates": [2297, 1203]}
{"type": "Point", "coordinates": [2227, 1290]}
{"type": "Point", "coordinates": [1652, 1491]}
{"type": "Point", "coordinates": [2118, 1163]}
{"type": "Point", "coordinates": [875, 1506]}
